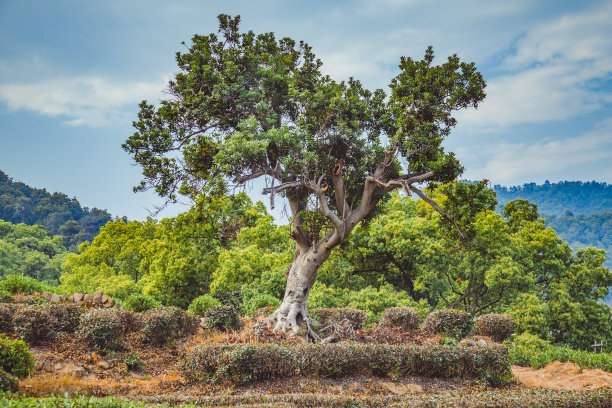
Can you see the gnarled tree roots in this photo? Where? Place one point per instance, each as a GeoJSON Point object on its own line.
{"type": "Point", "coordinates": [292, 320]}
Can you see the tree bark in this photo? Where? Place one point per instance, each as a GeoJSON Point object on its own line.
{"type": "Point", "coordinates": [292, 314]}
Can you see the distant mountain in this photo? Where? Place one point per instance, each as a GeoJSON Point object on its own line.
{"type": "Point", "coordinates": [580, 212]}
{"type": "Point", "coordinates": [59, 214]}
{"type": "Point", "coordinates": [556, 198]}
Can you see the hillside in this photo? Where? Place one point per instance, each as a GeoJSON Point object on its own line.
{"type": "Point", "coordinates": [556, 198]}
{"type": "Point", "coordinates": [59, 214]}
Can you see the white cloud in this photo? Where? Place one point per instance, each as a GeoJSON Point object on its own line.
{"type": "Point", "coordinates": [552, 71]}
{"type": "Point", "coordinates": [88, 101]}
{"type": "Point", "coordinates": [507, 162]}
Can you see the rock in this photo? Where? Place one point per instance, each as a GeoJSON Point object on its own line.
{"type": "Point", "coordinates": [46, 295]}
{"type": "Point", "coordinates": [104, 299]}
{"type": "Point", "coordinates": [88, 299]}
{"type": "Point", "coordinates": [63, 298]}
{"type": "Point", "coordinates": [71, 298]}
{"type": "Point", "coordinates": [78, 372]}
{"type": "Point", "coordinates": [97, 298]}
{"type": "Point", "coordinates": [103, 365]}
{"type": "Point", "coordinates": [109, 303]}
{"type": "Point", "coordinates": [55, 298]}
{"type": "Point", "coordinates": [36, 294]}
{"type": "Point", "coordinates": [78, 297]}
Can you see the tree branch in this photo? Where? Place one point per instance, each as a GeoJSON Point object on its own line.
{"type": "Point", "coordinates": [437, 208]}
{"type": "Point", "coordinates": [339, 192]}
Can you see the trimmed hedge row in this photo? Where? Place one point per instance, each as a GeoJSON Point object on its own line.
{"type": "Point", "coordinates": [100, 328]}
{"type": "Point", "coordinates": [510, 398]}
{"type": "Point", "coordinates": [239, 363]}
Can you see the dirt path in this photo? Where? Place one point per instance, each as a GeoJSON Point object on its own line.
{"type": "Point", "coordinates": [563, 376]}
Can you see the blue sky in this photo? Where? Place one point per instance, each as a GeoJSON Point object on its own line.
{"type": "Point", "coordinates": [73, 72]}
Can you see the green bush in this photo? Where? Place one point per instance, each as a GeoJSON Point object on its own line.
{"type": "Point", "coordinates": [499, 327]}
{"type": "Point", "coordinates": [528, 350]}
{"type": "Point", "coordinates": [259, 301]}
{"type": "Point", "coordinates": [102, 328]}
{"type": "Point", "coordinates": [404, 317]}
{"type": "Point", "coordinates": [246, 363]}
{"type": "Point", "coordinates": [132, 361]}
{"type": "Point", "coordinates": [32, 324]}
{"type": "Point", "coordinates": [139, 302]}
{"type": "Point", "coordinates": [5, 297]}
{"type": "Point", "coordinates": [20, 284]}
{"type": "Point", "coordinates": [15, 357]}
{"type": "Point", "coordinates": [163, 324]}
{"type": "Point", "coordinates": [8, 382]}
{"type": "Point", "coordinates": [222, 318]}
{"type": "Point", "coordinates": [6, 317]}
{"type": "Point", "coordinates": [201, 304]}
{"type": "Point", "coordinates": [449, 322]}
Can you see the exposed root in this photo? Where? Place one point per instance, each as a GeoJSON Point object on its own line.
{"type": "Point", "coordinates": [292, 321]}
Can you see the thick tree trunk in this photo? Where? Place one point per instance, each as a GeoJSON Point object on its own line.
{"type": "Point", "coordinates": [292, 314]}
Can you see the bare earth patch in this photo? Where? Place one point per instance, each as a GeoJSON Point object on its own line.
{"type": "Point", "coordinates": [563, 376]}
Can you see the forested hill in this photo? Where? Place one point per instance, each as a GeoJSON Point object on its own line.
{"type": "Point", "coordinates": [59, 214]}
{"type": "Point", "coordinates": [556, 198]}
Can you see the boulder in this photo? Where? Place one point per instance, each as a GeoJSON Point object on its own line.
{"type": "Point", "coordinates": [104, 299]}
{"type": "Point", "coordinates": [109, 303]}
{"type": "Point", "coordinates": [47, 295]}
{"type": "Point", "coordinates": [78, 297]}
{"type": "Point", "coordinates": [55, 298]}
{"type": "Point", "coordinates": [88, 299]}
{"type": "Point", "coordinates": [97, 298]}
{"type": "Point", "coordinates": [71, 298]}
{"type": "Point", "coordinates": [63, 298]}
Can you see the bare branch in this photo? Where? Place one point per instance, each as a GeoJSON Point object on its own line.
{"type": "Point", "coordinates": [324, 206]}
{"type": "Point", "coordinates": [284, 186]}
{"type": "Point", "coordinates": [339, 192]}
{"type": "Point", "coordinates": [437, 208]}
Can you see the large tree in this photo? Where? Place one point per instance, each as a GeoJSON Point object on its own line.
{"type": "Point", "coordinates": [246, 106]}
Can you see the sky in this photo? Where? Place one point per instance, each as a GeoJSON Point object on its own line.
{"type": "Point", "coordinates": [73, 72]}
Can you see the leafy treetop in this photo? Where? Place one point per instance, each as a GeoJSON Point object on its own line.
{"type": "Point", "coordinates": [245, 106]}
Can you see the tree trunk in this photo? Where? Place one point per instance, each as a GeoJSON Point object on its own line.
{"type": "Point", "coordinates": [292, 315]}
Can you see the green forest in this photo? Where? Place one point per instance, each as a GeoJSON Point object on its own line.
{"type": "Point", "coordinates": [60, 215]}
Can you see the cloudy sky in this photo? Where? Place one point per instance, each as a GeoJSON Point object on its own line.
{"type": "Point", "coordinates": [73, 72]}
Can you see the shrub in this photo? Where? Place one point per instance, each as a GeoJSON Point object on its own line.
{"type": "Point", "coordinates": [449, 322]}
{"type": "Point", "coordinates": [32, 324]}
{"type": "Point", "coordinates": [163, 324]}
{"type": "Point", "coordinates": [330, 319]}
{"type": "Point", "coordinates": [259, 301]}
{"type": "Point", "coordinates": [528, 350]}
{"type": "Point", "coordinates": [222, 318]}
{"type": "Point", "coordinates": [201, 304]}
{"type": "Point", "coordinates": [499, 327]}
{"type": "Point", "coordinates": [6, 317]}
{"type": "Point", "coordinates": [132, 361]}
{"type": "Point", "coordinates": [63, 318]}
{"type": "Point", "coordinates": [5, 297]}
{"type": "Point", "coordinates": [246, 363]}
{"type": "Point", "coordinates": [24, 285]}
{"type": "Point", "coordinates": [139, 302]}
{"type": "Point", "coordinates": [404, 317]}
{"type": "Point", "coordinates": [15, 358]}
{"type": "Point", "coordinates": [8, 382]}
{"type": "Point", "coordinates": [102, 328]}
